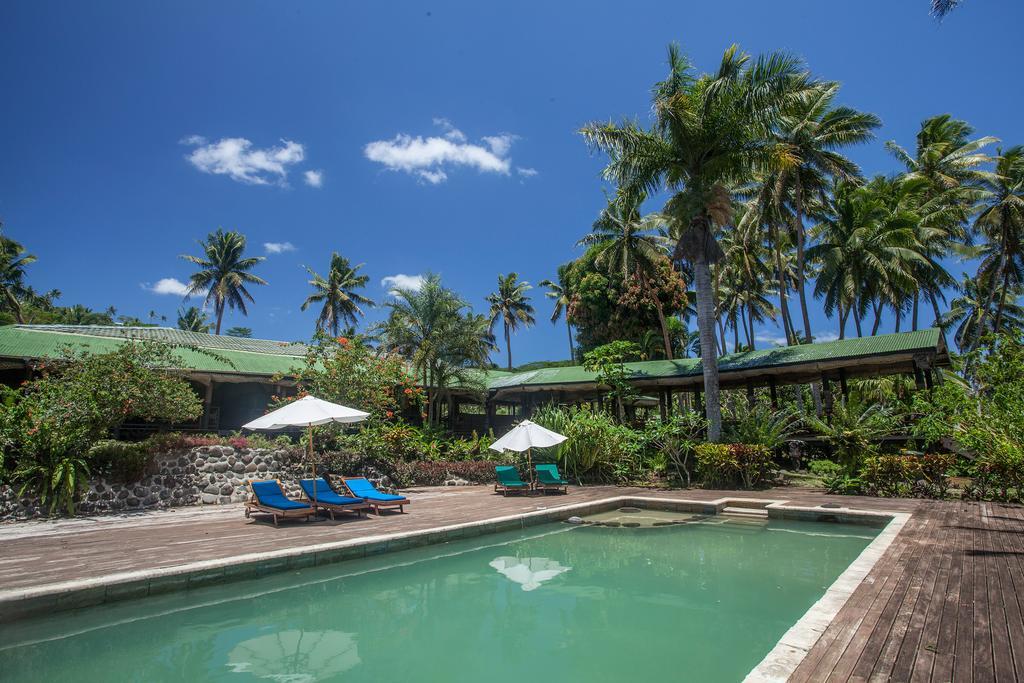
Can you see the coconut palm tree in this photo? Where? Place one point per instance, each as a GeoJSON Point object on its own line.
{"type": "Point", "coordinates": [512, 305]}
{"type": "Point", "coordinates": [560, 297]}
{"type": "Point", "coordinates": [1001, 221]}
{"type": "Point", "coordinates": [811, 132]}
{"type": "Point", "coordinates": [711, 132]}
{"type": "Point", "coordinates": [632, 244]}
{"type": "Point", "coordinates": [224, 273]}
{"type": "Point", "coordinates": [337, 294]}
{"type": "Point", "coordinates": [440, 336]}
{"type": "Point", "coordinates": [940, 8]}
{"type": "Point", "coordinates": [192, 319]}
{"type": "Point", "coordinates": [13, 260]}
{"type": "Point", "coordinates": [968, 316]}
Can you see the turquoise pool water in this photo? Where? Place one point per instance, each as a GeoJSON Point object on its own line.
{"type": "Point", "coordinates": [698, 602]}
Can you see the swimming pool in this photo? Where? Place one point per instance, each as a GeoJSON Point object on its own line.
{"type": "Point", "coordinates": [701, 602]}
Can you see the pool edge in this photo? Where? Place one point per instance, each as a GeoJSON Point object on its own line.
{"type": "Point", "coordinates": [18, 604]}
{"type": "Point", "coordinates": [794, 645]}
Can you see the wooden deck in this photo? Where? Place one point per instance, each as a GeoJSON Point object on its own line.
{"type": "Point", "coordinates": [944, 602]}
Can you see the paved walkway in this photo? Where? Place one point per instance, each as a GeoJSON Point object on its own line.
{"type": "Point", "coordinates": [944, 601]}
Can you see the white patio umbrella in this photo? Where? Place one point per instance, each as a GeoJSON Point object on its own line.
{"type": "Point", "coordinates": [526, 436]}
{"type": "Point", "coordinates": [309, 412]}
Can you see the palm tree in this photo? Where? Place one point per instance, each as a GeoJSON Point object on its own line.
{"type": "Point", "coordinates": [711, 132]}
{"type": "Point", "coordinates": [559, 295]}
{"type": "Point", "coordinates": [632, 244]}
{"type": "Point", "coordinates": [810, 133]}
{"type": "Point", "coordinates": [13, 259]}
{"type": "Point", "coordinates": [1001, 220]}
{"type": "Point", "coordinates": [940, 8]}
{"type": "Point", "coordinates": [337, 294]}
{"type": "Point", "coordinates": [511, 304]}
{"type": "Point", "coordinates": [440, 336]}
{"type": "Point", "coordinates": [192, 319]}
{"type": "Point", "coordinates": [971, 317]}
{"type": "Point", "coordinates": [224, 273]}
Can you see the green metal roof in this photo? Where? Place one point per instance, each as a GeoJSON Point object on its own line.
{"type": "Point", "coordinates": [230, 355]}
{"type": "Point", "coordinates": [267, 357]}
{"type": "Point", "coordinates": [902, 342]}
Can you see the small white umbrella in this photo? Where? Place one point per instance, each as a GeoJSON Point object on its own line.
{"type": "Point", "coordinates": [526, 436]}
{"type": "Point", "coordinates": [308, 411]}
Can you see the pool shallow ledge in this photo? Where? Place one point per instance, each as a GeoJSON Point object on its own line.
{"type": "Point", "coordinates": [17, 604]}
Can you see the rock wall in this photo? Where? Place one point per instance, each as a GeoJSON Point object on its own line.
{"type": "Point", "coordinates": [206, 475]}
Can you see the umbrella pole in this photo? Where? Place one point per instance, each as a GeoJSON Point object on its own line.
{"type": "Point", "coordinates": [312, 462]}
{"type": "Point", "coordinates": [529, 463]}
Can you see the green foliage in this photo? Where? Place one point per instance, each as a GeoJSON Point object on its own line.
{"type": "Point", "coordinates": [56, 480]}
{"type": "Point", "coordinates": [906, 474]}
{"type": "Point", "coordinates": [351, 372]}
{"type": "Point", "coordinates": [597, 448]}
{"type": "Point", "coordinates": [676, 440]}
{"type": "Point", "coordinates": [51, 423]}
{"type": "Point", "coordinates": [120, 460]}
{"type": "Point", "coordinates": [852, 430]}
{"type": "Point", "coordinates": [843, 484]}
{"type": "Point", "coordinates": [733, 465]}
{"type": "Point", "coordinates": [608, 362]}
{"type": "Point", "coordinates": [761, 425]}
{"type": "Point", "coordinates": [825, 468]}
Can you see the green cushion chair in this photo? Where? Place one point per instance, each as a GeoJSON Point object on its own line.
{"type": "Point", "coordinates": [550, 479]}
{"type": "Point", "coordinates": [508, 480]}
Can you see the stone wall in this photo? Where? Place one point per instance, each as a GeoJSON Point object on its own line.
{"type": "Point", "coordinates": [206, 475]}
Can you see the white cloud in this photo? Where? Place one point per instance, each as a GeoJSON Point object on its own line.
{"type": "Point", "coordinates": [770, 339]}
{"type": "Point", "coordinates": [526, 172]}
{"type": "Point", "coordinates": [314, 178]}
{"type": "Point", "coordinates": [239, 160]}
{"type": "Point", "coordinates": [191, 140]}
{"type": "Point", "coordinates": [826, 337]}
{"type": "Point", "coordinates": [278, 247]}
{"type": "Point", "coordinates": [430, 158]}
{"type": "Point", "coordinates": [167, 285]}
{"type": "Point", "coordinates": [402, 281]}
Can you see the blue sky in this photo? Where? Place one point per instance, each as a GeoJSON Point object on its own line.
{"type": "Point", "coordinates": [131, 129]}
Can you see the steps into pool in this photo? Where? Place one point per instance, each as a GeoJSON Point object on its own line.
{"type": "Point", "coordinates": [747, 513]}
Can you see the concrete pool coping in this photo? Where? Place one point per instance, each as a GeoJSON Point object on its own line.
{"type": "Point", "coordinates": [16, 604]}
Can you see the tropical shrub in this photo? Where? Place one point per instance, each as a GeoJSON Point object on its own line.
{"type": "Point", "coordinates": [842, 484]}
{"type": "Point", "coordinates": [676, 440]}
{"type": "Point", "coordinates": [759, 424]}
{"type": "Point", "coordinates": [852, 431]}
{"type": "Point", "coordinates": [608, 363]}
{"type": "Point", "coordinates": [436, 472]}
{"type": "Point", "coordinates": [730, 465]}
{"type": "Point", "coordinates": [824, 468]}
{"type": "Point", "coordinates": [119, 460]}
{"type": "Point", "coordinates": [57, 481]}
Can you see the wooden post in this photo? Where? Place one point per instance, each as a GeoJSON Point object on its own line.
{"type": "Point", "coordinates": [774, 392]}
{"type": "Point", "coordinates": [843, 386]}
{"type": "Point", "coordinates": [662, 408]}
{"type": "Point", "coordinates": [750, 393]}
{"type": "Point", "coordinates": [918, 378]}
{"type": "Point", "coordinates": [928, 382]}
{"type": "Point", "coordinates": [697, 402]}
{"type": "Point", "coordinates": [826, 391]}
{"type": "Point", "coordinates": [207, 404]}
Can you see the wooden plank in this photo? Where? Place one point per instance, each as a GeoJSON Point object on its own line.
{"type": "Point", "coordinates": [964, 644]}
{"type": "Point", "coordinates": [1007, 546]}
{"type": "Point", "coordinates": [945, 643]}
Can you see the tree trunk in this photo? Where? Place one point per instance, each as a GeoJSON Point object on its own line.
{"type": "Point", "coordinates": [721, 337]}
{"type": "Point", "coordinates": [856, 318]}
{"type": "Point", "coordinates": [842, 321]}
{"type": "Point", "coordinates": [877, 307]}
{"type": "Point", "coordinates": [750, 315]}
{"type": "Point", "coordinates": [1002, 301]}
{"type": "Point", "coordinates": [568, 329]}
{"type": "Point", "coordinates": [666, 340]}
{"type": "Point", "coordinates": [899, 318]}
{"type": "Point", "coordinates": [913, 320]}
{"type": "Point", "coordinates": [708, 350]}
{"type": "Point", "coordinates": [220, 315]}
{"type": "Point", "coordinates": [798, 205]}
{"type": "Point", "coordinates": [15, 305]}
{"type": "Point", "coordinates": [508, 347]}
{"type": "Point", "coordinates": [996, 277]}
{"type": "Point", "coordinates": [783, 299]}
{"type": "Point", "coordinates": [735, 334]}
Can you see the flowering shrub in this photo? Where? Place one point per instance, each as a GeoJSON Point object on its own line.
{"type": "Point", "coordinates": [436, 472]}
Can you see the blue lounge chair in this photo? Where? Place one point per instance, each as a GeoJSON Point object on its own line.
{"type": "Point", "coordinates": [508, 480]}
{"type": "Point", "coordinates": [550, 479]}
{"type": "Point", "coordinates": [360, 487]}
{"type": "Point", "coordinates": [268, 497]}
{"type": "Point", "coordinates": [327, 498]}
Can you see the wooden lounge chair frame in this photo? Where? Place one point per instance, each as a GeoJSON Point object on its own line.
{"type": "Point", "coordinates": [376, 505]}
{"type": "Point", "coordinates": [538, 485]}
{"type": "Point", "coordinates": [504, 489]}
{"type": "Point", "coordinates": [358, 508]}
{"type": "Point", "coordinates": [254, 505]}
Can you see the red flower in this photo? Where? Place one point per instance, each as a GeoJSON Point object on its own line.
{"type": "Point", "coordinates": [390, 413]}
{"type": "Point", "coordinates": [343, 341]}
{"type": "Point", "coordinates": [408, 391]}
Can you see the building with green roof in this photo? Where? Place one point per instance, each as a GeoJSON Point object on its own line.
{"type": "Point", "coordinates": [236, 376]}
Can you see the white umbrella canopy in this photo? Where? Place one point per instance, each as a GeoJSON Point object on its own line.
{"type": "Point", "coordinates": [527, 435]}
{"type": "Point", "coordinates": [308, 411]}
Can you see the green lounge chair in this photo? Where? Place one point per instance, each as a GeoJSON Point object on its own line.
{"type": "Point", "coordinates": [550, 479]}
{"type": "Point", "coordinates": [508, 480]}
